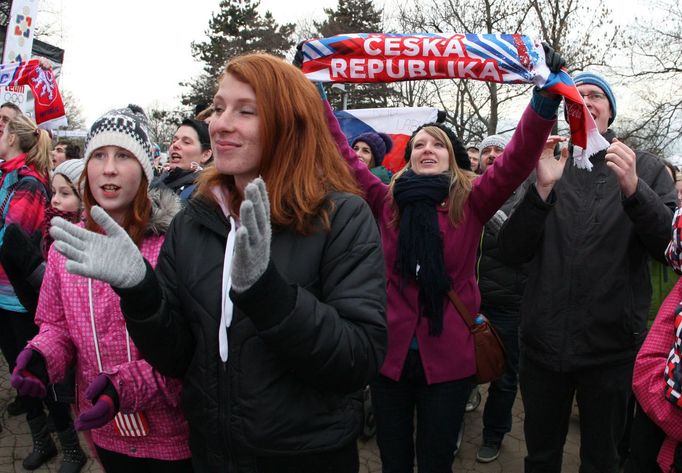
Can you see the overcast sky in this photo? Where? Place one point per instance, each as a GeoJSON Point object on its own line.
{"type": "Point", "coordinates": [137, 51]}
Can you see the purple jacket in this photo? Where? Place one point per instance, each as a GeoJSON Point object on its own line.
{"type": "Point", "coordinates": [66, 336]}
{"type": "Point", "coordinates": [449, 356]}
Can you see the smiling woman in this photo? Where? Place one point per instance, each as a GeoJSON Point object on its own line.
{"type": "Point", "coordinates": [268, 299]}
{"type": "Point", "coordinates": [430, 218]}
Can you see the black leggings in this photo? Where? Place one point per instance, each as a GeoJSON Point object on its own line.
{"type": "Point", "coordinates": [16, 329]}
{"type": "Point", "coordinates": [113, 462]}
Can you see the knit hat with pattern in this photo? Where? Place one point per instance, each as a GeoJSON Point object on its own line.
{"type": "Point", "coordinates": [126, 128]}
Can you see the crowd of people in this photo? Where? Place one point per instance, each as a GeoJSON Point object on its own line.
{"type": "Point", "coordinates": [224, 311]}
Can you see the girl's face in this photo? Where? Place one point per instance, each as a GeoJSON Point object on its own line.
{"type": "Point", "coordinates": [429, 155]}
{"type": "Point", "coordinates": [63, 196]}
{"type": "Point", "coordinates": [235, 131]}
{"type": "Point", "coordinates": [364, 152]}
{"type": "Point", "coordinates": [114, 177]}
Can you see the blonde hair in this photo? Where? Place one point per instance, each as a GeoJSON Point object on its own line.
{"type": "Point", "coordinates": [33, 141]}
{"type": "Point", "coordinates": [460, 179]}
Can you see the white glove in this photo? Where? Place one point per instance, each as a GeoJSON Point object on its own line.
{"type": "Point", "coordinates": [113, 258]}
{"type": "Point", "coordinates": [252, 241]}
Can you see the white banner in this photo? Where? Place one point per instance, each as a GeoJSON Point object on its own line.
{"type": "Point", "coordinates": [18, 45]}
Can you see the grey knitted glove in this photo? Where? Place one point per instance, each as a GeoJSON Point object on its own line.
{"type": "Point", "coordinates": [113, 258]}
{"type": "Point", "coordinates": [252, 241]}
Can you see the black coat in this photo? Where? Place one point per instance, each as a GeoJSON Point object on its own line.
{"type": "Point", "coordinates": [588, 293]}
{"type": "Point", "coordinates": [501, 284]}
{"type": "Point", "coordinates": [304, 340]}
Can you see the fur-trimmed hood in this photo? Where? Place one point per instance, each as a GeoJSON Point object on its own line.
{"type": "Point", "coordinates": [165, 204]}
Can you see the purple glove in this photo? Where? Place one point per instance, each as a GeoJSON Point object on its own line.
{"type": "Point", "coordinates": [25, 382]}
{"type": "Point", "coordinates": [104, 399]}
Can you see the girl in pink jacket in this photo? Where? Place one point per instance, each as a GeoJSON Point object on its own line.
{"type": "Point", "coordinates": [133, 412]}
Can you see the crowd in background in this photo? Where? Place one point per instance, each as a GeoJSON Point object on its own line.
{"type": "Point", "coordinates": [225, 310]}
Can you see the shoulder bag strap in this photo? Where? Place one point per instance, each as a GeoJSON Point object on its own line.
{"type": "Point", "coordinates": [461, 308]}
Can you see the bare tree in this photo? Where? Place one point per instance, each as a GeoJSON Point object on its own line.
{"type": "Point", "coordinates": [655, 70]}
{"type": "Point", "coordinates": [163, 123]}
{"type": "Point", "coordinates": [472, 107]}
{"type": "Point", "coordinates": [72, 108]}
{"type": "Point", "coordinates": [581, 31]}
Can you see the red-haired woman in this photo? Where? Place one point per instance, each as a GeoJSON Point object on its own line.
{"type": "Point", "coordinates": [132, 411]}
{"type": "Point", "coordinates": [270, 305]}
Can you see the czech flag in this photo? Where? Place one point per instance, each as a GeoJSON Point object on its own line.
{"type": "Point", "coordinates": [398, 123]}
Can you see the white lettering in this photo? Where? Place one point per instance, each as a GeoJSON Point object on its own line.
{"type": "Point", "coordinates": [431, 46]}
{"type": "Point", "coordinates": [392, 46]}
{"type": "Point", "coordinates": [357, 68]}
{"type": "Point", "coordinates": [416, 68]}
{"type": "Point", "coordinates": [374, 67]}
{"type": "Point", "coordinates": [411, 46]}
{"type": "Point", "coordinates": [454, 47]}
{"type": "Point", "coordinates": [394, 73]}
{"type": "Point", "coordinates": [490, 71]}
{"type": "Point", "coordinates": [338, 68]}
{"type": "Point", "coordinates": [368, 46]}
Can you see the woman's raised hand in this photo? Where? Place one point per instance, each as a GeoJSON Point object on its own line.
{"type": "Point", "coordinates": [113, 257]}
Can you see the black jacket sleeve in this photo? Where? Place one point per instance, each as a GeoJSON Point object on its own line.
{"type": "Point", "coordinates": [337, 343]}
{"type": "Point", "coordinates": [652, 205]}
{"type": "Point", "coordinates": [522, 232]}
{"type": "Point", "coordinates": [151, 311]}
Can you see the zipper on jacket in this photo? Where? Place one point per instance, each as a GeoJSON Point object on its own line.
{"type": "Point", "coordinates": [224, 410]}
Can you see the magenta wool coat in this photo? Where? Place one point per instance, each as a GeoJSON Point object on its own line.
{"type": "Point", "coordinates": [66, 336]}
{"type": "Point", "coordinates": [449, 356]}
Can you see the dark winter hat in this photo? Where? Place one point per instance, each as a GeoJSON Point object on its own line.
{"type": "Point", "coordinates": [461, 155]}
{"type": "Point", "coordinates": [593, 78]}
{"type": "Point", "coordinates": [202, 131]}
{"type": "Point", "coordinates": [126, 128]}
{"type": "Point", "coordinates": [493, 140]}
{"type": "Point", "coordinates": [379, 143]}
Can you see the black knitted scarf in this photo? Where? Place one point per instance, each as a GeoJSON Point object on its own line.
{"type": "Point", "coordinates": [420, 246]}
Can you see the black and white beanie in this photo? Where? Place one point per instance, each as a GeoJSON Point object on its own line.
{"type": "Point", "coordinates": [126, 128]}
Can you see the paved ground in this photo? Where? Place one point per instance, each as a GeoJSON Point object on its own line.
{"type": "Point", "coordinates": [15, 443]}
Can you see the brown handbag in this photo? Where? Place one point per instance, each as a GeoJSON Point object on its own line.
{"type": "Point", "coordinates": [491, 357]}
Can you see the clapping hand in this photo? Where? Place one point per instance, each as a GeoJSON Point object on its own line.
{"type": "Point", "coordinates": [549, 169]}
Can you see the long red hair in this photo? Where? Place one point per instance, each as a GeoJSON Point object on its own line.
{"type": "Point", "coordinates": [300, 162]}
{"type": "Point", "coordinates": [135, 222]}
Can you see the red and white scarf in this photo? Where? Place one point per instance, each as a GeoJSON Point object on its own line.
{"type": "Point", "coordinates": [503, 58]}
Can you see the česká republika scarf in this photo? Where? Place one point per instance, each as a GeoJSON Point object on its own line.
{"type": "Point", "coordinates": [420, 245]}
{"type": "Point", "coordinates": [502, 58]}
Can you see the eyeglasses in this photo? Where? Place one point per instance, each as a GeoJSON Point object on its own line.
{"type": "Point", "coordinates": [594, 96]}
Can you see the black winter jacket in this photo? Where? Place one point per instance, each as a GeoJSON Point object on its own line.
{"type": "Point", "coordinates": [588, 293]}
{"type": "Point", "coordinates": [304, 340]}
{"type": "Point", "coordinates": [176, 180]}
{"type": "Point", "coordinates": [501, 284]}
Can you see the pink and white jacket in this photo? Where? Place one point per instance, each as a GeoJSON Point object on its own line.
{"type": "Point", "coordinates": [66, 337]}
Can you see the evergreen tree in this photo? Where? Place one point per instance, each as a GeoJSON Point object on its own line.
{"type": "Point", "coordinates": [356, 16]}
{"type": "Point", "coordinates": [237, 28]}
